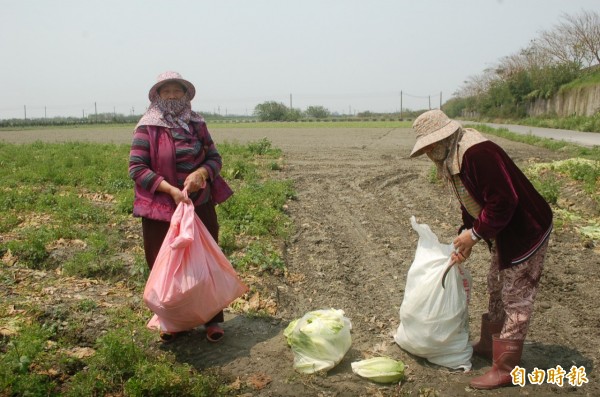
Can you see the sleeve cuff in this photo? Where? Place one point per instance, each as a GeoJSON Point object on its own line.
{"type": "Point", "coordinates": [156, 184]}
{"type": "Point", "coordinates": [474, 235]}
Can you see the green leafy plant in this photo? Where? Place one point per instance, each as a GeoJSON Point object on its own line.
{"type": "Point", "coordinates": [123, 364]}
{"type": "Point", "coordinates": [259, 255]}
{"type": "Point", "coordinates": [432, 175]}
{"type": "Point", "coordinates": [70, 211]}
{"type": "Point", "coordinates": [22, 354]}
{"type": "Point", "coordinates": [260, 147]}
{"type": "Point", "coordinates": [548, 187]}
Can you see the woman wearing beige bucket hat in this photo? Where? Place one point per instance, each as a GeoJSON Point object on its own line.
{"type": "Point", "coordinates": [501, 206]}
{"type": "Point", "coordinates": [173, 151]}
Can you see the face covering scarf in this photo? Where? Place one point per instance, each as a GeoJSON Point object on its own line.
{"type": "Point", "coordinates": [175, 111]}
{"type": "Point", "coordinates": [170, 113]}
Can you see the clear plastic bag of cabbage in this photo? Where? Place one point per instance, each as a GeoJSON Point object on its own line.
{"type": "Point", "coordinates": [380, 369]}
{"type": "Point", "coordinates": [319, 340]}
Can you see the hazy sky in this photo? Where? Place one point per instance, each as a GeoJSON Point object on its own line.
{"type": "Point", "coordinates": [72, 57]}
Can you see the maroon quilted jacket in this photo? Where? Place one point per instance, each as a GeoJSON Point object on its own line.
{"type": "Point", "coordinates": [513, 212]}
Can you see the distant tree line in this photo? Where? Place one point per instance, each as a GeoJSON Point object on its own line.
{"type": "Point", "coordinates": [568, 51]}
{"type": "Point", "coordinates": [100, 118]}
{"type": "Point", "coordinates": [277, 111]}
{"type": "Point", "coordinates": [267, 111]}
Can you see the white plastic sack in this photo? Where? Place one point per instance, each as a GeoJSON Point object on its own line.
{"type": "Point", "coordinates": [434, 321]}
{"type": "Point", "coordinates": [319, 340]}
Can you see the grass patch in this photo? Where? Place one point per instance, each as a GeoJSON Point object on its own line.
{"type": "Point", "coordinates": [547, 177]}
{"type": "Point", "coordinates": [77, 191]}
{"type": "Point", "coordinates": [261, 256]}
{"type": "Point", "coordinates": [588, 79]}
{"type": "Point", "coordinates": [19, 356]}
{"type": "Point", "coordinates": [120, 363]}
{"type": "Point", "coordinates": [67, 210]}
{"type": "Point", "coordinates": [256, 210]}
{"type": "Point", "coordinates": [574, 123]}
{"type": "Point", "coordinates": [547, 186]}
{"type": "Point", "coordinates": [245, 124]}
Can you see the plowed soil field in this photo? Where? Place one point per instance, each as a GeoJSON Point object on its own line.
{"type": "Point", "coordinates": [351, 250]}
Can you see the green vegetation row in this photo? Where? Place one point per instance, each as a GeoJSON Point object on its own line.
{"type": "Point", "coordinates": [66, 208]}
{"type": "Point", "coordinates": [374, 120]}
{"type": "Point", "coordinates": [575, 123]}
{"type": "Point", "coordinates": [277, 111]}
{"type": "Point", "coordinates": [318, 124]}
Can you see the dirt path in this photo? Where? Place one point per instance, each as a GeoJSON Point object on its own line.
{"type": "Point", "coordinates": [351, 250]}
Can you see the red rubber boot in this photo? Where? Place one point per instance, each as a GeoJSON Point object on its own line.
{"type": "Point", "coordinates": [483, 347]}
{"type": "Point", "coordinates": [506, 356]}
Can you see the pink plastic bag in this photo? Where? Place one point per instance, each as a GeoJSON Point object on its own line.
{"type": "Point", "coordinates": [191, 280]}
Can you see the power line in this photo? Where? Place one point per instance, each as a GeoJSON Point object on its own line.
{"type": "Point", "coordinates": [375, 101]}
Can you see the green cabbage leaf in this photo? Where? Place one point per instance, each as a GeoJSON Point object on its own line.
{"type": "Point", "coordinates": [380, 369]}
{"type": "Point", "coordinates": [319, 340]}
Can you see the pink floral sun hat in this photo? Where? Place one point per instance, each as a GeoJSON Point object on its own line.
{"type": "Point", "coordinates": [168, 77]}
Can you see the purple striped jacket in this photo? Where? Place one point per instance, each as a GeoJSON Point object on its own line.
{"type": "Point", "coordinates": [160, 153]}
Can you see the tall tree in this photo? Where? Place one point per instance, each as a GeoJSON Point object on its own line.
{"type": "Point", "coordinates": [317, 112]}
{"type": "Point", "coordinates": [576, 39]}
{"type": "Point", "coordinates": [585, 27]}
{"type": "Point", "coordinates": [271, 111]}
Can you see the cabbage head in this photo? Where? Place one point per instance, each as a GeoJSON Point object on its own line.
{"type": "Point", "coordinates": [319, 340]}
{"type": "Point", "coordinates": [380, 369]}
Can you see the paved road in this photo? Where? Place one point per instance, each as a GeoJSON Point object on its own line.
{"type": "Point", "coordinates": [588, 139]}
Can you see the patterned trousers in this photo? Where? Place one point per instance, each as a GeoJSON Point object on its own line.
{"type": "Point", "coordinates": [512, 292]}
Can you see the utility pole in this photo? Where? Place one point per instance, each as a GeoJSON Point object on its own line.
{"type": "Point", "coordinates": [45, 115]}
{"type": "Point", "coordinates": [429, 102]}
{"type": "Point", "coordinates": [96, 111]}
{"type": "Point", "coordinates": [401, 105]}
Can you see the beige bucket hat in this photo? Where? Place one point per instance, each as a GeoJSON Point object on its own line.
{"type": "Point", "coordinates": [432, 126]}
{"type": "Point", "coordinates": [168, 77]}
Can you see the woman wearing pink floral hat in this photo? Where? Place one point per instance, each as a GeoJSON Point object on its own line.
{"type": "Point", "coordinates": [500, 206]}
{"type": "Point", "coordinates": [172, 150]}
